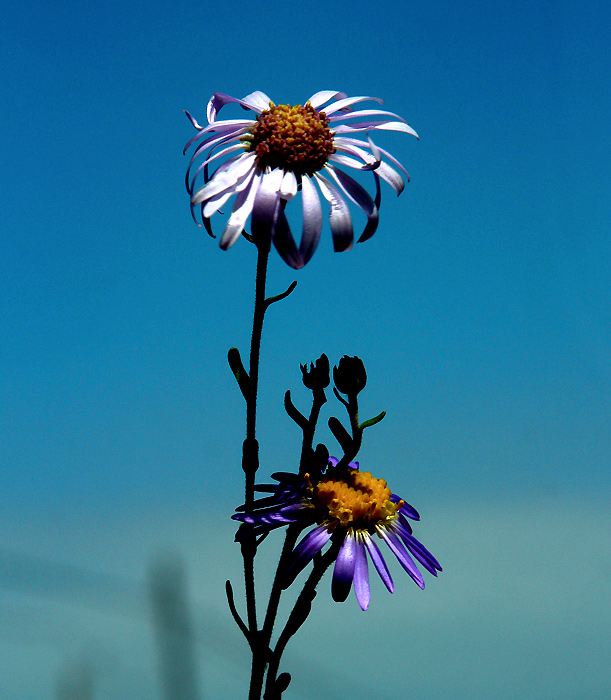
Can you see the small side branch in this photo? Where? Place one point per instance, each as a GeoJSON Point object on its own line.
{"type": "Point", "coordinates": [295, 413]}
{"type": "Point", "coordinates": [272, 300]}
{"type": "Point", "coordinates": [234, 612]}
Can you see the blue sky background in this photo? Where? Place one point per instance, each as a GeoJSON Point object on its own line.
{"type": "Point", "coordinates": [481, 308]}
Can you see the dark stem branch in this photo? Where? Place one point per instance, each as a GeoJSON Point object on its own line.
{"type": "Point", "coordinates": [299, 614]}
{"type": "Point", "coordinates": [250, 464]}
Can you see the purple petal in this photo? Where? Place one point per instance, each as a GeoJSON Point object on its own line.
{"type": "Point", "coordinates": [404, 522]}
{"type": "Point", "coordinates": [361, 575]}
{"type": "Point", "coordinates": [397, 548]}
{"type": "Point", "coordinates": [421, 553]}
{"type": "Point", "coordinates": [347, 102]}
{"type": "Point", "coordinates": [378, 562]}
{"type": "Point", "coordinates": [312, 219]}
{"type": "Point", "coordinates": [287, 514]}
{"type": "Point", "coordinates": [193, 121]}
{"type": "Point", "coordinates": [323, 96]}
{"type": "Point", "coordinates": [339, 216]}
{"type": "Point", "coordinates": [343, 572]}
{"type": "Point", "coordinates": [303, 553]}
{"type": "Point", "coordinates": [408, 510]}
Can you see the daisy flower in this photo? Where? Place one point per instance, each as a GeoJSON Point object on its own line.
{"type": "Point", "coordinates": [264, 162]}
{"type": "Point", "coordinates": [348, 505]}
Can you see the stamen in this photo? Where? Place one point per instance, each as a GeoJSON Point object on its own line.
{"type": "Point", "coordinates": [356, 500]}
{"type": "Point", "coordinates": [296, 139]}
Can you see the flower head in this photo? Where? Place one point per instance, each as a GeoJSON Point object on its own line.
{"type": "Point", "coordinates": [346, 505]}
{"type": "Point", "coordinates": [285, 150]}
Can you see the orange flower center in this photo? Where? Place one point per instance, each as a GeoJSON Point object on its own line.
{"type": "Point", "coordinates": [292, 138]}
{"type": "Point", "coordinates": [356, 500]}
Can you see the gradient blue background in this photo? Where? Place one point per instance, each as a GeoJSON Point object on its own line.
{"type": "Point", "coordinates": [481, 308]}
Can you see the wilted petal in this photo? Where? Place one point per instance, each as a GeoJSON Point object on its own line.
{"type": "Point", "coordinates": [359, 196]}
{"type": "Point", "coordinates": [283, 240]}
{"type": "Point", "coordinates": [340, 219]}
{"type": "Point", "coordinates": [257, 101]}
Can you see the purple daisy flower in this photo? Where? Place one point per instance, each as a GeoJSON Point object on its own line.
{"type": "Point", "coordinates": [266, 161]}
{"type": "Point", "coordinates": [348, 505]}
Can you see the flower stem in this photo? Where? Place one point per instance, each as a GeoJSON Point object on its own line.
{"type": "Point", "coordinates": [250, 464]}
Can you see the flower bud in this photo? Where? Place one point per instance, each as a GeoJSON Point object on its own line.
{"type": "Point", "coordinates": [317, 377]}
{"type": "Point", "coordinates": [350, 376]}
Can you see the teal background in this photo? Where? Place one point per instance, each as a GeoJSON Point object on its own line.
{"type": "Point", "coordinates": [481, 308]}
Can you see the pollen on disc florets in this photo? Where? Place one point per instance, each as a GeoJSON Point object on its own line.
{"type": "Point", "coordinates": [356, 499]}
{"type": "Point", "coordinates": [296, 139]}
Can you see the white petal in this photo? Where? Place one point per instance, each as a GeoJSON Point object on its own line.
{"type": "Point", "coordinates": [347, 102]}
{"type": "Point", "coordinates": [374, 126]}
{"type": "Point", "coordinates": [339, 216]}
{"type": "Point", "coordinates": [214, 204]}
{"type": "Point", "coordinates": [257, 100]}
{"type": "Point", "coordinates": [312, 219]}
{"type": "Point", "coordinates": [324, 96]}
{"type": "Point", "coordinates": [227, 179]}
{"type": "Point", "coordinates": [241, 211]}
{"type": "Point", "coordinates": [366, 113]}
{"type": "Point", "coordinates": [288, 188]}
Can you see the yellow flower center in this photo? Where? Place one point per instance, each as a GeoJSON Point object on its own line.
{"type": "Point", "coordinates": [356, 500]}
{"type": "Point", "coordinates": [292, 138]}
